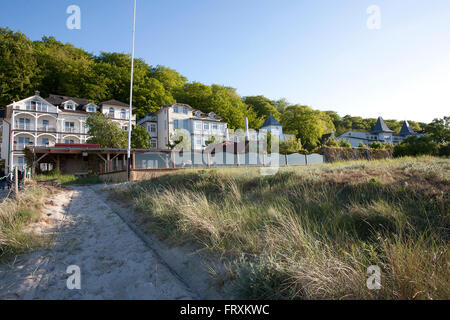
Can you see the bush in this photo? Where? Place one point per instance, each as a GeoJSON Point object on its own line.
{"type": "Point", "coordinates": [444, 150]}
{"type": "Point", "coordinates": [376, 145]}
{"type": "Point", "coordinates": [332, 142]}
{"type": "Point", "coordinates": [362, 145]}
{"type": "Point", "coordinates": [343, 143]}
{"type": "Point", "coordinates": [415, 146]}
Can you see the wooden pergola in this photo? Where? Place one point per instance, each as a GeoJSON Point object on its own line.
{"type": "Point", "coordinates": [109, 159]}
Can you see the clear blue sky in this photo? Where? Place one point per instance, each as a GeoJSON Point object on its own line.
{"type": "Point", "coordinates": [318, 53]}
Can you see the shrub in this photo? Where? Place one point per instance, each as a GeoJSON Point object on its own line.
{"type": "Point", "coordinates": [376, 145]}
{"type": "Point", "coordinates": [332, 142]}
{"type": "Point", "coordinates": [362, 145]}
{"type": "Point", "coordinates": [343, 143]}
{"type": "Point", "coordinates": [414, 146]}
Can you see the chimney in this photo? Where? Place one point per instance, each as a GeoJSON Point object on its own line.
{"type": "Point", "coordinates": [37, 93]}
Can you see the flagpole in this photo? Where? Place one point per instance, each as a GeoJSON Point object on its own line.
{"type": "Point", "coordinates": [131, 95]}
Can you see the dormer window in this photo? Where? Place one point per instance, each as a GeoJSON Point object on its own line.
{"type": "Point", "coordinates": [90, 108]}
{"type": "Point", "coordinates": [185, 110]}
{"type": "Point", "coordinates": [175, 109]}
{"type": "Point", "coordinates": [69, 106]}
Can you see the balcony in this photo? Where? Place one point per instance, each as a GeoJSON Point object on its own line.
{"type": "Point", "coordinates": [24, 126]}
{"type": "Point", "coordinates": [46, 129]}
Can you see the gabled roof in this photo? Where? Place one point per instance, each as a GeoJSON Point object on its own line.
{"type": "Point", "coordinates": [406, 129]}
{"type": "Point", "coordinates": [270, 121]}
{"type": "Point", "coordinates": [113, 102]}
{"type": "Point", "coordinates": [381, 126]}
{"type": "Point", "coordinates": [58, 100]}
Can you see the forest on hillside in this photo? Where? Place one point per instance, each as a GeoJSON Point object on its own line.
{"type": "Point", "coordinates": [51, 66]}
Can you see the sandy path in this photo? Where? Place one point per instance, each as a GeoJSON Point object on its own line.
{"type": "Point", "coordinates": [114, 262]}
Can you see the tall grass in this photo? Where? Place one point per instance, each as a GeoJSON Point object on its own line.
{"type": "Point", "coordinates": [312, 232]}
{"type": "Point", "coordinates": [15, 214]}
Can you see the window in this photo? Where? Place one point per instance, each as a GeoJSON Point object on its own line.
{"type": "Point", "coordinates": [198, 141]}
{"type": "Point", "coordinates": [185, 110]}
{"type": "Point", "coordinates": [175, 109]}
{"type": "Point", "coordinates": [24, 123]}
{"type": "Point", "coordinates": [153, 127]}
{"type": "Point", "coordinates": [45, 141]}
{"type": "Point", "coordinates": [175, 124]}
{"type": "Point", "coordinates": [125, 128]}
{"type": "Point", "coordinates": [20, 161]}
{"type": "Point", "coordinates": [24, 140]}
{"type": "Point", "coordinates": [185, 124]}
{"type": "Point", "coordinates": [154, 143]}
{"type": "Point", "coordinates": [67, 141]}
{"type": "Point", "coordinates": [69, 127]}
{"type": "Point", "coordinates": [123, 113]}
{"type": "Point", "coordinates": [111, 112]}
{"type": "Point", "coordinates": [90, 108]}
{"type": "Point", "coordinates": [214, 126]}
{"type": "Point", "coordinates": [206, 126]}
{"type": "Point", "coordinates": [69, 106]}
{"type": "Point", "coordinates": [198, 125]}
{"type": "Point", "coordinates": [45, 123]}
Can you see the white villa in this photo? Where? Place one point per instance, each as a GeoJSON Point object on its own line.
{"type": "Point", "coordinates": [164, 124]}
{"type": "Point", "coordinates": [380, 133]}
{"type": "Point", "coordinates": [271, 125]}
{"type": "Point", "coordinates": [36, 121]}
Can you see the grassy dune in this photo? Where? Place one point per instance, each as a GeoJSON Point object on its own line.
{"type": "Point", "coordinates": [311, 232]}
{"type": "Point", "coordinates": [15, 215]}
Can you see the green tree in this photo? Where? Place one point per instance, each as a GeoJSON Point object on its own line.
{"type": "Point", "coordinates": [439, 130]}
{"type": "Point", "coordinates": [105, 132]}
{"type": "Point", "coordinates": [18, 67]}
{"type": "Point", "coordinates": [309, 125]}
{"type": "Point", "coordinates": [262, 106]}
{"type": "Point", "coordinates": [292, 145]}
{"type": "Point", "coordinates": [140, 138]}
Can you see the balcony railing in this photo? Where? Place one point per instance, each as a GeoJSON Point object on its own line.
{"type": "Point", "coordinates": [47, 129]}
{"type": "Point", "coordinates": [24, 126]}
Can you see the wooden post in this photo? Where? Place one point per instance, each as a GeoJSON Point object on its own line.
{"type": "Point", "coordinates": [124, 161]}
{"type": "Point", "coordinates": [286, 158]}
{"type": "Point", "coordinates": [133, 155]}
{"type": "Point", "coordinates": [16, 181]}
{"type": "Point", "coordinates": [58, 163]}
{"type": "Point", "coordinates": [306, 159]}
{"type": "Point", "coordinates": [172, 156]}
{"type": "Point", "coordinates": [117, 163]}
{"type": "Point", "coordinates": [108, 162]}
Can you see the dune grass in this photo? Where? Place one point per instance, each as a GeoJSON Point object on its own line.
{"type": "Point", "coordinates": [312, 232]}
{"type": "Point", "coordinates": [15, 215]}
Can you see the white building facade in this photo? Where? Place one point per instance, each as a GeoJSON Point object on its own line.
{"type": "Point", "coordinates": [380, 133]}
{"type": "Point", "coordinates": [171, 121]}
{"type": "Point", "coordinates": [36, 121]}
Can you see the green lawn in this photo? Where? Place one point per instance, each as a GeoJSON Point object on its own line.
{"type": "Point", "coordinates": [65, 179]}
{"type": "Point", "coordinates": [312, 232]}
